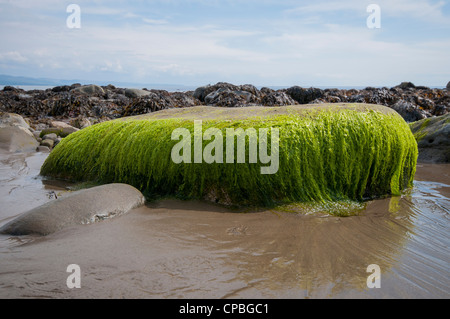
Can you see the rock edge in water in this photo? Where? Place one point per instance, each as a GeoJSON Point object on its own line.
{"type": "Point", "coordinates": [81, 207]}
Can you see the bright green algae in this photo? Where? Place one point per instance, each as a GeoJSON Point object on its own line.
{"type": "Point", "coordinates": [324, 155]}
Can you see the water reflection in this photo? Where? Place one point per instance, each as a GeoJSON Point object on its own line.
{"type": "Point", "coordinates": [194, 250]}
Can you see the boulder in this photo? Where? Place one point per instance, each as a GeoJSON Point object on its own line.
{"type": "Point", "coordinates": [319, 150]}
{"type": "Point", "coordinates": [277, 98]}
{"type": "Point", "coordinates": [202, 92]}
{"type": "Point", "coordinates": [227, 98]}
{"type": "Point", "coordinates": [409, 111]}
{"type": "Point", "coordinates": [17, 139]}
{"type": "Point", "coordinates": [15, 134]}
{"type": "Point", "coordinates": [134, 93]}
{"type": "Point", "coordinates": [51, 136]}
{"type": "Point", "coordinates": [43, 149]}
{"type": "Point", "coordinates": [11, 119]}
{"type": "Point", "coordinates": [406, 85]}
{"type": "Point", "coordinates": [304, 96]}
{"type": "Point", "coordinates": [48, 142]}
{"type": "Point", "coordinates": [433, 139]}
{"type": "Point", "coordinates": [81, 207]}
{"type": "Point", "coordinates": [81, 122]}
{"type": "Point", "coordinates": [89, 90]}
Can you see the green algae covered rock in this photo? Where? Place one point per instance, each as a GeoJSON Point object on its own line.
{"type": "Point", "coordinates": [302, 153]}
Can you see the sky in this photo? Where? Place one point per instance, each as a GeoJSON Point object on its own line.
{"type": "Point", "coordinates": [199, 42]}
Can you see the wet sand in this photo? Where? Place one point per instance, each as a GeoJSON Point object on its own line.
{"type": "Point", "coordinates": [191, 249]}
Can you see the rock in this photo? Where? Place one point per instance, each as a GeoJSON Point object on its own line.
{"type": "Point", "coordinates": [9, 88]}
{"type": "Point", "coordinates": [63, 132]}
{"type": "Point", "coordinates": [433, 139]}
{"type": "Point", "coordinates": [63, 88]}
{"type": "Point", "coordinates": [304, 96]}
{"type": "Point", "coordinates": [202, 92]}
{"type": "Point", "coordinates": [89, 90]}
{"type": "Point", "coordinates": [409, 111]}
{"type": "Point", "coordinates": [81, 122]}
{"type": "Point", "coordinates": [17, 139]}
{"type": "Point", "coordinates": [11, 119]}
{"type": "Point", "coordinates": [448, 86]}
{"type": "Point", "coordinates": [81, 207]}
{"type": "Point", "coordinates": [406, 85]}
{"type": "Point", "coordinates": [225, 97]}
{"type": "Point", "coordinates": [48, 142]}
{"type": "Point", "coordinates": [277, 98]}
{"type": "Point", "coordinates": [154, 101]}
{"type": "Point", "coordinates": [15, 134]}
{"type": "Point", "coordinates": [311, 163]}
{"type": "Point", "coordinates": [251, 89]}
{"type": "Point", "coordinates": [42, 149]}
{"type": "Point", "coordinates": [51, 136]}
{"type": "Point", "coordinates": [185, 99]}
{"type": "Point", "coordinates": [134, 93]}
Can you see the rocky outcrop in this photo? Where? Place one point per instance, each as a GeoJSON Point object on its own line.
{"type": "Point", "coordinates": [108, 102]}
{"type": "Point", "coordinates": [433, 139]}
{"type": "Point", "coordinates": [81, 207]}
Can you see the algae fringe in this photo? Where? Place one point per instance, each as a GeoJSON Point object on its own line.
{"type": "Point", "coordinates": [323, 156]}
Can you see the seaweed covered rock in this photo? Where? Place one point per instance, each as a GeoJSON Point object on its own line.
{"type": "Point", "coordinates": [247, 156]}
{"type": "Point", "coordinates": [433, 138]}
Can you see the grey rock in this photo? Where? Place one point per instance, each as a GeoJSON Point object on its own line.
{"type": "Point", "coordinates": [51, 136]}
{"type": "Point", "coordinates": [134, 93]}
{"type": "Point", "coordinates": [277, 98]}
{"type": "Point", "coordinates": [89, 90]}
{"type": "Point", "coordinates": [15, 134]}
{"type": "Point", "coordinates": [42, 149]}
{"type": "Point", "coordinates": [81, 207]}
{"type": "Point", "coordinates": [406, 85]}
{"type": "Point", "coordinates": [17, 139]}
{"type": "Point", "coordinates": [304, 96]}
{"type": "Point", "coordinates": [448, 86]}
{"type": "Point", "coordinates": [409, 111]}
{"type": "Point", "coordinates": [47, 142]}
{"type": "Point", "coordinates": [433, 138]}
{"type": "Point", "coordinates": [11, 119]}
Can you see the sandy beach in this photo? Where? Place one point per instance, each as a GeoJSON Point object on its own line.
{"type": "Point", "coordinates": [191, 249]}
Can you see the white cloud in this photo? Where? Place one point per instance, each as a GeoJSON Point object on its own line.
{"type": "Point", "coordinates": [273, 52]}
{"type": "Point", "coordinates": [155, 21]}
{"type": "Point", "coordinates": [12, 56]}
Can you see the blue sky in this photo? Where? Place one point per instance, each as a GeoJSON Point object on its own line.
{"type": "Point", "coordinates": [196, 42]}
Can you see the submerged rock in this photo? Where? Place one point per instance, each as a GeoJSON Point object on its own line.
{"type": "Point", "coordinates": [433, 139]}
{"type": "Point", "coordinates": [81, 207]}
